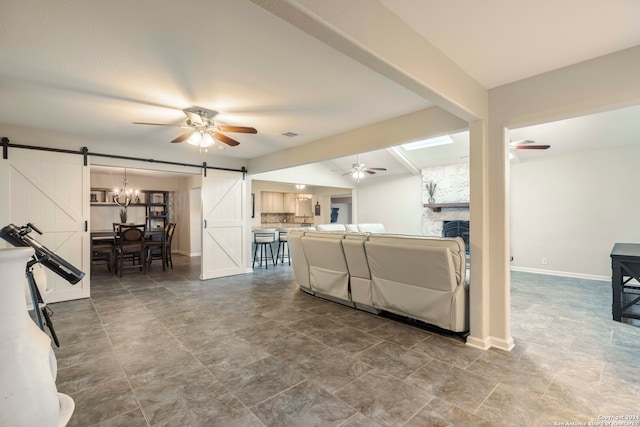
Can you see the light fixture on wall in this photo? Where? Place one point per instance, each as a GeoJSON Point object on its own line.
{"type": "Point", "coordinates": [300, 186]}
{"type": "Point", "coordinates": [301, 196]}
{"type": "Point", "coordinates": [125, 195]}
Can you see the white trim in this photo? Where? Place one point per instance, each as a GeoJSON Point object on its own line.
{"type": "Point", "coordinates": [185, 253]}
{"type": "Point", "coordinates": [488, 342]}
{"type": "Point", "coordinates": [482, 344]}
{"type": "Point", "coordinates": [500, 344]}
{"type": "Point", "coordinates": [562, 273]}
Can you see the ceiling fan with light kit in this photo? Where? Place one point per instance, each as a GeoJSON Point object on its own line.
{"type": "Point", "coordinates": [203, 131]}
{"type": "Point", "coordinates": [527, 144]}
{"type": "Point", "coordinates": [524, 144]}
{"type": "Point", "coordinates": [359, 170]}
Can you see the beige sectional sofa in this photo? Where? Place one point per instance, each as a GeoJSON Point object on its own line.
{"type": "Point", "coordinates": [357, 228]}
{"type": "Point", "coordinates": [422, 278]}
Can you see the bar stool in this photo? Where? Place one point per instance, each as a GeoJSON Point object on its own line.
{"type": "Point", "coordinates": [263, 238]}
{"type": "Point", "coordinates": [283, 244]}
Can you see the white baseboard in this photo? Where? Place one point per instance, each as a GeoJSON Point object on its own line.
{"type": "Point", "coordinates": [500, 344]}
{"type": "Point", "coordinates": [482, 344]}
{"type": "Point", "coordinates": [562, 273]}
{"type": "Point", "coordinates": [185, 253]}
{"type": "Point", "coordinates": [488, 342]}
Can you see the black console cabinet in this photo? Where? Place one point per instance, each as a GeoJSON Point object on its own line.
{"type": "Point", "coordinates": [625, 266]}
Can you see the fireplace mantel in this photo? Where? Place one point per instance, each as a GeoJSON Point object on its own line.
{"type": "Point", "coordinates": [437, 207]}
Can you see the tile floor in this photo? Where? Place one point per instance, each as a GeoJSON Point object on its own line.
{"type": "Point", "coordinates": [166, 349]}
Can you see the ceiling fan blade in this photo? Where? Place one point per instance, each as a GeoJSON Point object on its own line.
{"type": "Point", "coordinates": [241, 129]}
{"type": "Point", "coordinates": [369, 171]}
{"type": "Point", "coordinates": [184, 136]}
{"type": "Point", "coordinates": [377, 169]}
{"type": "Point", "coordinates": [519, 142]}
{"type": "Point", "coordinates": [154, 124]}
{"type": "Point", "coordinates": [224, 138]}
{"type": "Point", "coordinates": [531, 147]}
{"type": "Point", "coordinates": [349, 172]}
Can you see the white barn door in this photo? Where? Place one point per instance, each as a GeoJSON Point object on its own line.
{"type": "Point", "coordinates": [224, 223]}
{"type": "Point", "coordinates": [51, 191]}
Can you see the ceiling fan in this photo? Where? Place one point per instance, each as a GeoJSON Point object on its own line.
{"type": "Point", "coordinates": [202, 129]}
{"type": "Point", "coordinates": [360, 170]}
{"type": "Point", "coordinates": [527, 144]}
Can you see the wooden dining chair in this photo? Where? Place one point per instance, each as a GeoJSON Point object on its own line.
{"type": "Point", "coordinates": [156, 249]}
{"type": "Point", "coordinates": [170, 232]}
{"type": "Point", "coordinates": [103, 252]}
{"type": "Point", "coordinates": [131, 244]}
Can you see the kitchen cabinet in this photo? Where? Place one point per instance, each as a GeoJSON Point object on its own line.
{"type": "Point", "coordinates": [289, 202]}
{"type": "Point", "coordinates": [286, 203]}
{"type": "Point", "coordinates": [272, 202]}
{"type": "Point", "coordinates": [303, 207]}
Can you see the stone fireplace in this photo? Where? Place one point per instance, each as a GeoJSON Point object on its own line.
{"type": "Point", "coordinates": [452, 188]}
{"type": "Point", "coordinates": [457, 229]}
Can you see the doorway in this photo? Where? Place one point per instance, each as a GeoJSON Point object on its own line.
{"type": "Point", "coordinates": [195, 220]}
{"type": "Point", "coordinates": [181, 207]}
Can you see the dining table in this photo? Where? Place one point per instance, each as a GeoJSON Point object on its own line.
{"type": "Point", "coordinates": [110, 237]}
{"type": "Point", "coordinates": [110, 234]}
{"type": "Point", "coordinates": [101, 236]}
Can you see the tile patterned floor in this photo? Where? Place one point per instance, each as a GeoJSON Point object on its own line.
{"type": "Point", "coordinates": [166, 349]}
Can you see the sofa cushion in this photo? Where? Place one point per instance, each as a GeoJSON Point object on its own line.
{"type": "Point", "coordinates": [331, 227]}
{"type": "Point", "coordinates": [454, 244]}
{"type": "Point", "coordinates": [354, 252]}
{"type": "Point", "coordinates": [413, 280]}
{"type": "Point", "coordinates": [371, 228]}
{"type": "Point", "coordinates": [298, 259]}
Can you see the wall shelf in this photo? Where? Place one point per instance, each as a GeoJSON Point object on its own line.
{"type": "Point", "coordinates": [437, 207]}
{"type": "Point", "coordinates": [157, 208]}
{"type": "Point", "coordinates": [155, 202]}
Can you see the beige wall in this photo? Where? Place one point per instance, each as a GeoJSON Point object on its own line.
{"type": "Point", "coordinates": [601, 84]}
{"type": "Point", "coordinates": [182, 242]}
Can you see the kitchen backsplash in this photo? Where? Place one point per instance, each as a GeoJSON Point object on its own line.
{"type": "Point", "coordinates": [271, 218]}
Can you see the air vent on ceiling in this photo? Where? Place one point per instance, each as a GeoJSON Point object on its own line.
{"type": "Point", "coordinates": [290, 134]}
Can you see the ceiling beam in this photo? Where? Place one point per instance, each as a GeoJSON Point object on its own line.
{"type": "Point", "coordinates": [404, 161]}
{"type": "Point", "coordinates": [421, 124]}
{"type": "Point", "coordinates": [397, 52]}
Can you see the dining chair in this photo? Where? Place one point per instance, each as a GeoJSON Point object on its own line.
{"type": "Point", "coordinates": [156, 248]}
{"type": "Point", "coordinates": [103, 252]}
{"type": "Point", "coordinates": [131, 243]}
{"type": "Point", "coordinates": [168, 239]}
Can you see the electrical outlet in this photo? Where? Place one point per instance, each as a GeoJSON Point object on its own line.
{"type": "Point", "coordinates": [544, 261]}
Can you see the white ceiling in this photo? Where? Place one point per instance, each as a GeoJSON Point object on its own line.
{"type": "Point", "coordinates": [502, 41]}
{"type": "Point", "coordinates": [610, 129]}
{"type": "Point", "coordinates": [91, 68]}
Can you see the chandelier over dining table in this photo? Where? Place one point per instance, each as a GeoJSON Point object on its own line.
{"type": "Point", "coordinates": [125, 195]}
